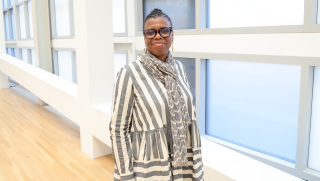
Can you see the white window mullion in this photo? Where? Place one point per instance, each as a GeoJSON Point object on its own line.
{"type": "Point", "coordinates": [26, 17]}
{"type": "Point", "coordinates": [71, 19]}
{"type": "Point", "coordinates": [30, 19]}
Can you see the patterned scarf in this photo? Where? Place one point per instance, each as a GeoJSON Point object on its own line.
{"type": "Point", "coordinates": [166, 73]}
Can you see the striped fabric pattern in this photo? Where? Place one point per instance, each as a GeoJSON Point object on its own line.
{"type": "Point", "coordinates": [140, 128]}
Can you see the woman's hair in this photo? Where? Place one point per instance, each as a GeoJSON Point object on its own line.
{"type": "Point", "coordinates": [155, 14]}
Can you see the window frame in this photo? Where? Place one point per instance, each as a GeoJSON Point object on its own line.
{"type": "Point", "coordinates": [300, 168]}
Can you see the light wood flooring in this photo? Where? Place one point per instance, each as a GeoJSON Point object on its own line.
{"type": "Point", "coordinates": [36, 144]}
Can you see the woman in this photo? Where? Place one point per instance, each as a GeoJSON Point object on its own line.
{"type": "Point", "coordinates": [153, 126]}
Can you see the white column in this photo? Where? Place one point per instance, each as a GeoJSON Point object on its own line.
{"type": "Point", "coordinates": [41, 36]}
{"type": "Point", "coordinates": [92, 146]}
{"type": "Point", "coordinates": [4, 82]}
{"type": "Point", "coordinates": [42, 39]}
{"type": "Point", "coordinates": [94, 52]}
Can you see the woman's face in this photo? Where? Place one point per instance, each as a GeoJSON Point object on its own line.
{"type": "Point", "coordinates": [158, 46]}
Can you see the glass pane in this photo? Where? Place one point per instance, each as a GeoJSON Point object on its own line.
{"type": "Point", "coordinates": [120, 60]}
{"type": "Point", "coordinates": [4, 4]}
{"type": "Point", "coordinates": [10, 3]}
{"type": "Point", "coordinates": [23, 33]}
{"type": "Point", "coordinates": [62, 17]}
{"type": "Point", "coordinates": [7, 28]}
{"type": "Point", "coordinates": [65, 65]}
{"type": "Point", "coordinates": [314, 146]}
{"type": "Point", "coordinates": [8, 51]}
{"type": "Point", "coordinates": [12, 24]}
{"type": "Point", "coordinates": [119, 20]}
{"type": "Point", "coordinates": [24, 53]}
{"type": "Point", "coordinates": [181, 12]}
{"type": "Point", "coordinates": [254, 105]}
{"type": "Point", "coordinates": [246, 13]}
{"type": "Point", "coordinates": [190, 65]}
{"type": "Point", "coordinates": [30, 19]}
{"type": "Point", "coordinates": [13, 52]}
{"type": "Point", "coordinates": [33, 58]}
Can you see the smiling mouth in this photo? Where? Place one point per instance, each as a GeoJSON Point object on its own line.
{"type": "Point", "coordinates": [158, 44]}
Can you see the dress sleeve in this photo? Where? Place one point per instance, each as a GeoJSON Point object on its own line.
{"type": "Point", "coordinates": [122, 106]}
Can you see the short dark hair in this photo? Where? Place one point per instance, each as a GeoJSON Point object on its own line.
{"type": "Point", "coordinates": [155, 14]}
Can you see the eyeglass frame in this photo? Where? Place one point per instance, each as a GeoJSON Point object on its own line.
{"type": "Point", "coordinates": [170, 28]}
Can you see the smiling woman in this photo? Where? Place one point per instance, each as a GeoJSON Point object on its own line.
{"type": "Point", "coordinates": [154, 131]}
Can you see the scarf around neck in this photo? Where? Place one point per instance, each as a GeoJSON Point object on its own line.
{"type": "Point", "coordinates": [166, 73]}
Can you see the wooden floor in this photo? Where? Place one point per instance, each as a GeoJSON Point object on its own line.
{"type": "Point", "coordinates": [36, 144]}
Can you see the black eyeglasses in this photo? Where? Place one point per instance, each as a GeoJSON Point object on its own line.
{"type": "Point", "coordinates": [163, 32]}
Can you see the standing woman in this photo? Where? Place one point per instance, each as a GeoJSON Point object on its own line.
{"type": "Point", "coordinates": [154, 131]}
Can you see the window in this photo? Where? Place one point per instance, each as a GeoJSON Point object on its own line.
{"type": "Point", "coordinates": [6, 24]}
{"type": "Point", "coordinates": [25, 20]}
{"type": "Point", "coordinates": [24, 55]}
{"type": "Point", "coordinates": [120, 60]}
{"type": "Point", "coordinates": [12, 25]}
{"type": "Point", "coordinates": [62, 18]}
{"type": "Point", "coordinates": [22, 21]}
{"type": "Point", "coordinates": [6, 3]}
{"type": "Point", "coordinates": [119, 19]}
{"type": "Point", "coordinates": [314, 146]}
{"type": "Point", "coordinates": [254, 105]}
{"type": "Point", "coordinates": [8, 18]}
{"type": "Point", "coordinates": [65, 65]}
{"type": "Point", "coordinates": [246, 13]}
{"type": "Point", "coordinates": [30, 19]}
{"type": "Point", "coordinates": [190, 66]}
{"type": "Point", "coordinates": [181, 12]}
{"type": "Point", "coordinates": [12, 52]}
{"type": "Point", "coordinates": [27, 55]}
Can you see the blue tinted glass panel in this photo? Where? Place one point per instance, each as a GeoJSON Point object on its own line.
{"type": "Point", "coordinates": [181, 12]}
{"type": "Point", "coordinates": [190, 65]}
{"type": "Point", "coordinates": [254, 105]}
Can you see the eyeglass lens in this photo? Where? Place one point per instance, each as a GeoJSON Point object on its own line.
{"type": "Point", "coordinates": [163, 32]}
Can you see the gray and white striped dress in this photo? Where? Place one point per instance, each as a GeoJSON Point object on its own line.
{"type": "Point", "coordinates": [140, 128]}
